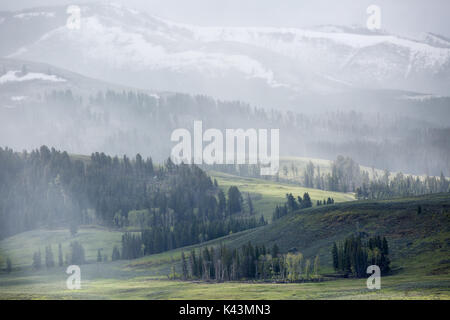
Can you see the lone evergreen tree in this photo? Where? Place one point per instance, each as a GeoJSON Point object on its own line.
{"type": "Point", "coordinates": [115, 254]}
{"type": "Point", "coordinates": [334, 253]}
{"type": "Point", "coordinates": [222, 202]}
{"type": "Point", "coordinates": [250, 204]}
{"type": "Point", "coordinates": [49, 261]}
{"type": "Point", "coordinates": [8, 265]}
{"type": "Point", "coordinates": [234, 200]}
{"type": "Point", "coordinates": [275, 251]}
{"type": "Point", "coordinates": [316, 266]}
{"type": "Point", "coordinates": [306, 203]}
{"type": "Point", "coordinates": [37, 261]}
{"type": "Point", "coordinates": [184, 266]}
{"type": "Point", "coordinates": [60, 255]}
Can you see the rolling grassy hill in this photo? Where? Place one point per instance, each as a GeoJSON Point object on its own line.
{"type": "Point", "coordinates": [419, 243]}
{"type": "Point", "coordinates": [267, 194]}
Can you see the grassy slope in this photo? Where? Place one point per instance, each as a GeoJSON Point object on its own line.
{"type": "Point", "coordinates": [267, 194]}
{"type": "Point", "coordinates": [419, 243]}
{"type": "Point", "coordinates": [20, 248]}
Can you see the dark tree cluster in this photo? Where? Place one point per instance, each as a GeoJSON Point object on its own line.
{"type": "Point", "coordinates": [292, 205]}
{"type": "Point", "coordinates": [246, 263]}
{"type": "Point", "coordinates": [75, 255]}
{"type": "Point", "coordinates": [401, 185]}
{"type": "Point", "coordinates": [347, 176]}
{"type": "Point", "coordinates": [41, 188]}
{"type": "Point", "coordinates": [156, 240]}
{"type": "Point", "coordinates": [8, 265]}
{"type": "Point", "coordinates": [174, 205]}
{"type": "Point", "coordinates": [324, 202]}
{"type": "Point", "coordinates": [352, 256]}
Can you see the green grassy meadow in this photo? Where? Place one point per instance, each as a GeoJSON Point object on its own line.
{"type": "Point", "coordinates": [119, 280]}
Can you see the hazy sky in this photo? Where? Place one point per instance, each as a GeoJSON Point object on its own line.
{"type": "Point", "coordinates": [407, 17]}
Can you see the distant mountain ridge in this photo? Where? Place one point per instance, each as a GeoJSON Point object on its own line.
{"type": "Point", "coordinates": [266, 66]}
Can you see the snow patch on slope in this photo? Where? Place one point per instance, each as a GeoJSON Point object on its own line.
{"type": "Point", "coordinates": [28, 15]}
{"type": "Point", "coordinates": [18, 98]}
{"type": "Point", "coordinates": [14, 76]}
{"type": "Point", "coordinates": [118, 46]}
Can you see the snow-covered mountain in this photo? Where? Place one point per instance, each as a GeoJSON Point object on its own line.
{"type": "Point", "coordinates": [268, 66]}
{"type": "Point", "coordinates": [26, 82]}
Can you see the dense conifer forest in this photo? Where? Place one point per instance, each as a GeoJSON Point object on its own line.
{"type": "Point", "coordinates": [352, 256]}
{"type": "Point", "coordinates": [131, 122]}
{"type": "Point", "coordinates": [171, 205]}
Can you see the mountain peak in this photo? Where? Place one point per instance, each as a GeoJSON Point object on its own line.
{"type": "Point", "coordinates": [143, 50]}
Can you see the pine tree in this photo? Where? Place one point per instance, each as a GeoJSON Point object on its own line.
{"type": "Point", "coordinates": [234, 203]}
{"type": "Point", "coordinates": [77, 253]}
{"type": "Point", "coordinates": [250, 204]}
{"type": "Point", "coordinates": [385, 248]}
{"type": "Point", "coordinates": [49, 261]}
{"type": "Point", "coordinates": [115, 254]}
{"type": "Point", "coordinates": [8, 265]}
{"type": "Point", "coordinates": [60, 255]}
{"type": "Point", "coordinates": [275, 251]}
{"type": "Point", "coordinates": [222, 202]}
{"type": "Point", "coordinates": [37, 261]}
{"type": "Point", "coordinates": [316, 266]}
{"type": "Point", "coordinates": [193, 264]}
{"type": "Point", "coordinates": [306, 203]}
{"type": "Point", "coordinates": [334, 253]}
{"type": "Point", "coordinates": [184, 266]}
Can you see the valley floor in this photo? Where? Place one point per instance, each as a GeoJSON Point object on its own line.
{"type": "Point", "coordinates": [149, 287]}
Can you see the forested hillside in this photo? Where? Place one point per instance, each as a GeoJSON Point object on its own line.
{"type": "Point", "coordinates": [177, 205]}
{"type": "Point", "coordinates": [130, 122]}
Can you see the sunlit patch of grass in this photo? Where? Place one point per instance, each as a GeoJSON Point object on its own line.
{"type": "Point", "coordinates": [392, 287]}
{"type": "Point", "coordinates": [270, 193]}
